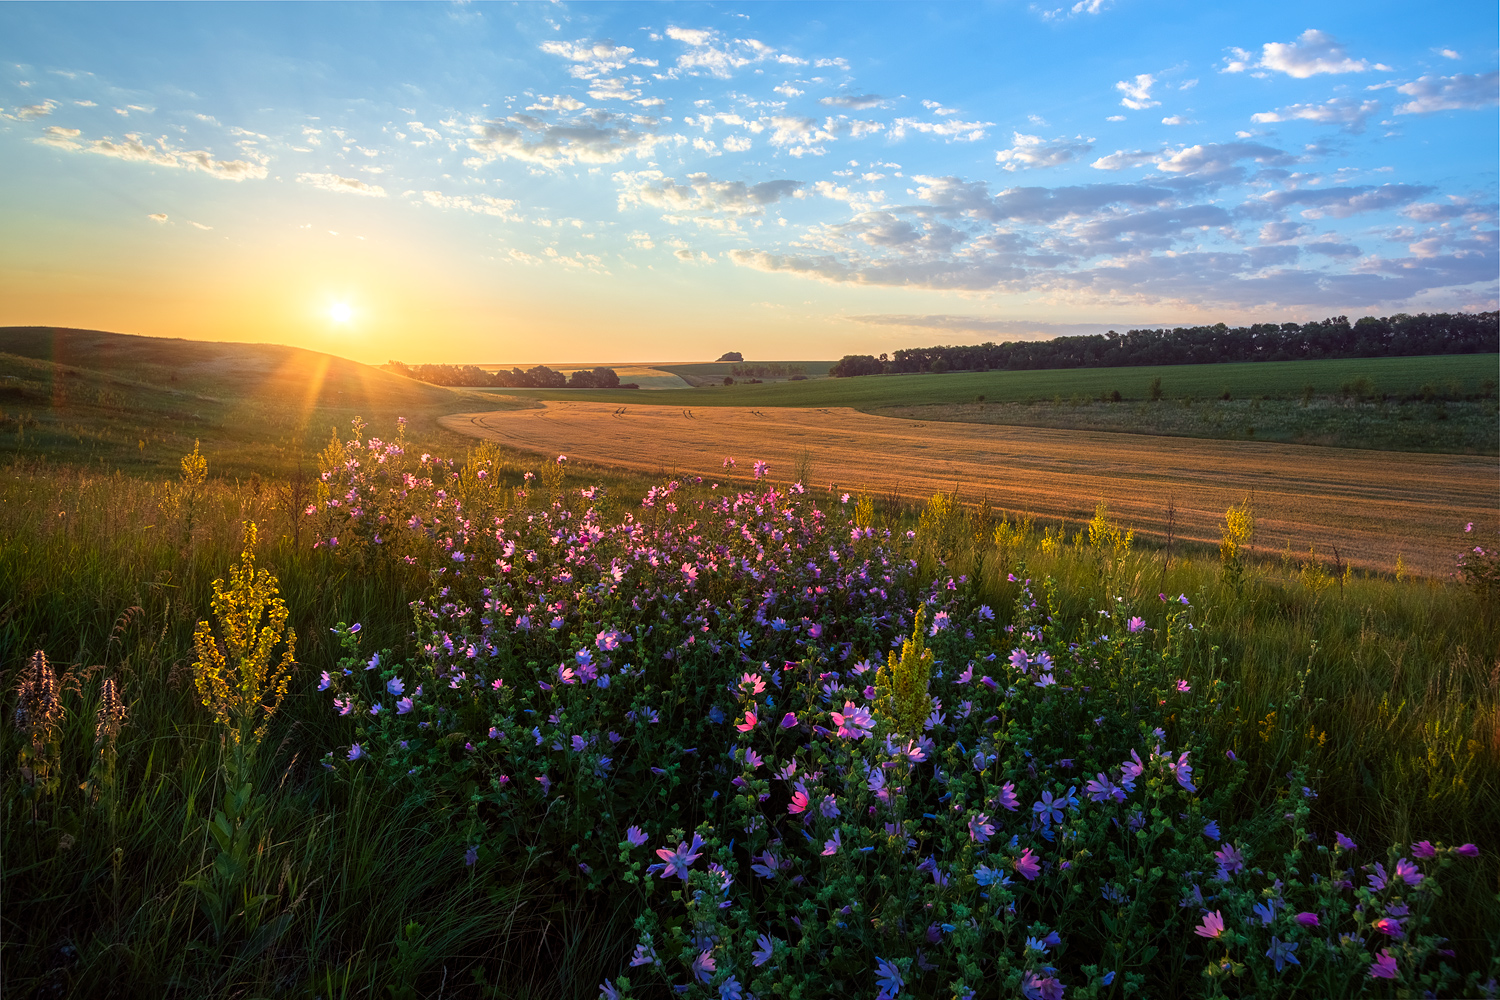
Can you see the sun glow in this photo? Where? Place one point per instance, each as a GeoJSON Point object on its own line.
{"type": "Point", "coordinates": [341, 312]}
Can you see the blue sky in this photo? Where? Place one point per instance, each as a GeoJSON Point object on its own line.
{"type": "Point", "coordinates": [535, 182]}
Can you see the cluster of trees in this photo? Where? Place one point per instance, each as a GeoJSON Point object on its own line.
{"type": "Point", "coordinates": [773, 370]}
{"type": "Point", "coordinates": [1393, 336]}
{"type": "Point", "coordinates": [539, 377]}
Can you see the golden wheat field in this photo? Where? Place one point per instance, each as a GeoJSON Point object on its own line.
{"type": "Point", "coordinates": [1372, 506]}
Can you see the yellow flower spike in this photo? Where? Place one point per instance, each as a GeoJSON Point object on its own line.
{"type": "Point", "coordinates": [243, 687]}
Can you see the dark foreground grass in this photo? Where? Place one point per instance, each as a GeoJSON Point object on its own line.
{"type": "Point", "coordinates": [1386, 691]}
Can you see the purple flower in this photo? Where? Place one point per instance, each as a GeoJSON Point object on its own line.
{"type": "Point", "coordinates": [788, 720]}
{"type": "Point", "coordinates": [1345, 844]}
{"type": "Point", "coordinates": [1384, 967]}
{"type": "Point", "coordinates": [471, 856]}
{"type": "Point", "coordinates": [888, 977]}
{"type": "Point", "coordinates": [703, 967]}
{"type": "Point", "coordinates": [680, 860]}
{"type": "Point", "coordinates": [854, 723]}
{"type": "Point", "coordinates": [832, 846]}
{"type": "Point", "coordinates": [355, 753]}
{"type": "Point", "coordinates": [1390, 927]}
{"type": "Point", "coordinates": [1136, 624]}
{"type": "Point", "coordinates": [1408, 872]}
{"type": "Point", "coordinates": [607, 989]}
{"type": "Point", "coordinates": [1028, 865]}
{"type": "Point", "coordinates": [1230, 861]}
{"type": "Point", "coordinates": [764, 948]}
{"type": "Point", "coordinates": [645, 954]}
{"type": "Point", "coordinates": [1423, 849]}
{"type": "Point", "coordinates": [1467, 850]}
{"type": "Point", "coordinates": [1184, 687]}
{"type": "Point", "coordinates": [403, 706]}
{"type": "Point", "coordinates": [1007, 798]}
{"type": "Point", "coordinates": [1048, 810]}
{"type": "Point", "coordinates": [1131, 770]}
{"type": "Point", "coordinates": [636, 836]}
{"type": "Point", "coordinates": [323, 684]}
{"type": "Point", "coordinates": [980, 828]}
{"type": "Point", "coordinates": [1282, 952]}
{"type": "Point", "coordinates": [1035, 987]}
{"type": "Point", "coordinates": [1183, 771]}
{"type": "Point", "coordinates": [1307, 919]}
{"type": "Point", "coordinates": [1101, 789]}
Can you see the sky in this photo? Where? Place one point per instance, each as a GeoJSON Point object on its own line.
{"type": "Point", "coordinates": [555, 182]}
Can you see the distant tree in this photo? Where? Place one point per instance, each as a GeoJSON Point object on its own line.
{"type": "Point", "coordinates": [597, 378]}
{"type": "Point", "coordinates": [732, 356]}
{"type": "Point", "coordinates": [856, 364]}
{"type": "Point", "coordinates": [729, 380]}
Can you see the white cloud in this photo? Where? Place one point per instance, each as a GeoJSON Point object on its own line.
{"type": "Point", "coordinates": [158, 217]}
{"type": "Point", "coordinates": [1339, 111]}
{"type": "Point", "coordinates": [590, 59]}
{"type": "Point", "coordinates": [787, 90]}
{"type": "Point", "coordinates": [693, 257]}
{"type": "Point", "coordinates": [701, 193]}
{"type": "Point", "coordinates": [707, 146]}
{"type": "Point", "coordinates": [737, 143]}
{"type": "Point", "coordinates": [855, 102]}
{"type": "Point", "coordinates": [162, 154]}
{"type": "Point", "coordinates": [1462, 92]}
{"type": "Point", "coordinates": [952, 129]}
{"type": "Point", "coordinates": [1177, 120]}
{"type": "Point", "coordinates": [937, 108]}
{"type": "Point", "coordinates": [1342, 202]}
{"type": "Point", "coordinates": [559, 103]}
{"type": "Point", "coordinates": [1449, 54]}
{"type": "Point", "coordinates": [1034, 151]}
{"type": "Point", "coordinates": [342, 185]}
{"type": "Point", "coordinates": [595, 139]}
{"type": "Point", "coordinates": [86, 104]}
{"type": "Point", "coordinates": [199, 225]}
{"type": "Point", "coordinates": [31, 112]}
{"type": "Point", "coordinates": [1137, 92]}
{"type": "Point", "coordinates": [612, 89]}
{"type": "Point", "coordinates": [1115, 118]}
{"type": "Point", "coordinates": [483, 204]}
{"type": "Point", "coordinates": [707, 53]}
{"type": "Point", "coordinates": [1312, 53]}
{"type": "Point", "coordinates": [1202, 159]}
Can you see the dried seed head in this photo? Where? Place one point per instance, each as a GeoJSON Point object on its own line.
{"type": "Point", "coordinates": [38, 707]}
{"type": "Point", "coordinates": [111, 715]}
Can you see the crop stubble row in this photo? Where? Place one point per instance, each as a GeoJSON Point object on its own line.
{"type": "Point", "coordinates": [1371, 505]}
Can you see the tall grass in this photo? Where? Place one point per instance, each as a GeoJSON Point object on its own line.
{"type": "Point", "coordinates": [1388, 691]}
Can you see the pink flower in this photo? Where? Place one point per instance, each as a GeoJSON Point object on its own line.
{"type": "Point", "coordinates": [761, 468]}
{"type": "Point", "coordinates": [678, 861]}
{"type": "Point", "coordinates": [1384, 967]}
{"type": "Point", "coordinates": [798, 803]}
{"type": "Point", "coordinates": [1212, 926]}
{"type": "Point", "coordinates": [1028, 864]}
{"type": "Point", "coordinates": [1423, 849]}
{"type": "Point", "coordinates": [1184, 687]}
{"type": "Point", "coordinates": [749, 722]}
{"type": "Point", "coordinates": [1007, 798]}
{"type": "Point", "coordinates": [1136, 624]}
{"type": "Point", "coordinates": [980, 828]}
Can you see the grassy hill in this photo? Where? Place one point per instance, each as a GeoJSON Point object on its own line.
{"type": "Point", "coordinates": [138, 403]}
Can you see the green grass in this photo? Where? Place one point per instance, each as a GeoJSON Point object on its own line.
{"type": "Point", "coordinates": [112, 401]}
{"type": "Point", "coordinates": [1277, 379]}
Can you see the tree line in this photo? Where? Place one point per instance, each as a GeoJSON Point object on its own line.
{"type": "Point", "coordinates": [539, 377]}
{"type": "Point", "coordinates": [1400, 335]}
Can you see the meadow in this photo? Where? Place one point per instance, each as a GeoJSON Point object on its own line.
{"type": "Point", "coordinates": [529, 728]}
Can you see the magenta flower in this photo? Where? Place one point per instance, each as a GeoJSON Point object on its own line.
{"type": "Point", "coordinates": [1184, 687]}
{"type": "Point", "coordinates": [789, 720]}
{"type": "Point", "coordinates": [1307, 919]}
{"type": "Point", "coordinates": [1423, 849]}
{"type": "Point", "coordinates": [854, 723]}
{"type": "Point", "coordinates": [1007, 798]}
{"type": "Point", "coordinates": [680, 860]}
{"type": "Point", "coordinates": [1467, 850]}
{"type": "Point", "coordinates": [1028, 865]}
{"type": "Point", "coordinates": [636, 836]}
{"type": "Point", "coordinates": [1384, 967]}
{"type": "Point", "coordinates": [1136, 624]}
{"type": "Point", "coordinates": [760, 469]}
{"type": "Point", "coordinates": [1212, 926]}
{"type": "Point", "coordinates": [980, 828]}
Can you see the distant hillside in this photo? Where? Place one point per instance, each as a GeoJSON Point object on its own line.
{"type": "Point", "coordinates": [131, 401]}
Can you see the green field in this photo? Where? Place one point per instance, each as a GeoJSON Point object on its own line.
{"type": "Point", "coordinates": [114, 401]}
{"type": "Point", "coordinates": [1464, 374]}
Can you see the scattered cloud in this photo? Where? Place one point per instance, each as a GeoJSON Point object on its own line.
{"type": "Point", "coordinates": [597, 138]}
{"type": "Point", "coordinates": [708, 52]}
{"type": "Point", "coordinates": [701, 193]}
{"type": "Point", "coordinates": [503, 208]}
{"type": "Point", "coordinates": [1342, 202]}
{"type": "Point", "coordinates": [161, 154]}
{"type": "Point", "coordinates": [1463, 92]}
{"type": "Point", "coordinates": [1312, 53]}
{"type": "Point", "coordinates": [1205, 158]}
{"type": "Point", "coordinates": [952, 129]}
{"type": "Point", "coordinates": [787, 90]}
{"type": "Point", "coordinates": [855, 102]}
{"type": "Point", "coordinates": [199, 225]}
{"type": "Point", "coordinates": [342, 185]}
{"type": "Point", "coordinates": [937, 108]}
{"type": "Point", "coordinates": [1034, 151]}
{"type": "Point", "coordinates": [1178, 120]}
{"type": "Point", "coordinates": [1449, 54]}
{"type": "Point", "coordinates": [559, 103]}
{"type": "Point", "coordinates": [31, 112]}
{"type": "Point", "coordinates": [158, 217]}
{"type": "Point", "coordinates": [1349, 113]}
{"type": "Point", "coordinates": [1137, 92]}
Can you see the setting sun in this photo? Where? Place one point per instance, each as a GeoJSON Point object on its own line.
{"type": "Point", "coordinates": [340, 312]}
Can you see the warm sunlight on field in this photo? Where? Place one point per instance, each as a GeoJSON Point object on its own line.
{"type": "Point", "coordinates": [1371, 505]}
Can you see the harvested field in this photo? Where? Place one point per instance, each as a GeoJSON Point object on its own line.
{"type": "Point", "coordinates": [1371, 505]}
